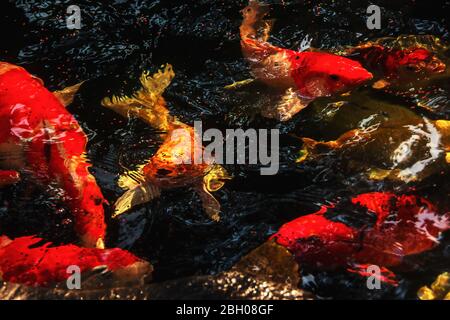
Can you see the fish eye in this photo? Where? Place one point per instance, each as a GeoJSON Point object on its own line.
{"type": "Point", "coordinates": [297, 57]}
{"type": "Point", "coordinates": [334, 77]}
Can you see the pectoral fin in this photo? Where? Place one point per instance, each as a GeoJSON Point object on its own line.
{"type": "Point", "coordinates": [140, 194]}
{"type": "Point", "coordinates": [210, 204]}
{"type": "Point", "coordinates": [378, 174]}
{"type": "Point", "coordinates": [214, 180]}
{"type": "Point", "coordinates": [66, 95]}
{"type": "Point", "coordinates": [289, 105]}
{"type": "Point", "coordinates": [239, 84]}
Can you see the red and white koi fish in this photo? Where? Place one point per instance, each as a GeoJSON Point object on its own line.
{"type": "Point", "coordinates": [399, 59]}
{"type": "Point", "coordinates": [303, 75]}
{"type": "Point", "coordinates": [39, 136]}
{"type": "Point", "coordinates": [405, 225]}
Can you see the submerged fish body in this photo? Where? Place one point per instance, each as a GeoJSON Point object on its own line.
{"type": "Point", "coordinates": [405, 58]}
{"type": "Point", "coordinates": [405, 153]}
{"type": "Point", "coordinates": [23, 261]}
{"type": "Point", "coordinates": [40, 136]}
{"type": "Point", "coordinates": [439, 289]}
{"type": "Point", "coordinates": [175, 163]}
{"type": "Point", "coordinates": [402, 225]}
{"type": "Point", "coordinates": [311, 74]}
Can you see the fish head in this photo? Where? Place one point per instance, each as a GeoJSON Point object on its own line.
{"type": "Point", "coordinates": [320, 74]}
{"type": "Point", "coordinates": [173, 165]}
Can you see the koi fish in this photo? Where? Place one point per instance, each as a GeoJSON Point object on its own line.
{"type": "Point", "coordinates": [38, 135]}
{"type": "Point", "coordinates": [439, 289]}
{"type": "Point", "coordinates": [303, 76]}
{"type": "Point", "coordinates": [405, 153]}
{"type": "Point", "coordinates": [399, 59]}
{"type": "Point", "coordinates": [23, 261]}
{"type": "Point", "coordinates": [173, 165]}
{"type": "Point", "coordinates": [401, 225]}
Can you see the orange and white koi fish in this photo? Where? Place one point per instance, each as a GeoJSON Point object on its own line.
{"type": "Point", "coordinates": [173, 165]}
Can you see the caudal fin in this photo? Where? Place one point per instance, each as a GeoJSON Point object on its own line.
{"type": "Point", "coordinates": [253, 23]}
{"type": "Point", "coordinates": [146, 103]}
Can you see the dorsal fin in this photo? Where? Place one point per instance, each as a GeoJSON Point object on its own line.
{"type": "Point", "coordinates": [66, 95]}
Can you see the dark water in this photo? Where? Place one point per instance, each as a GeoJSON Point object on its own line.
{"type": "Point", "coordinates": [200, 39]}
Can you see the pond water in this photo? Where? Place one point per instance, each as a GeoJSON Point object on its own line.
{"type": "Point", "coordinates": [200, 39]}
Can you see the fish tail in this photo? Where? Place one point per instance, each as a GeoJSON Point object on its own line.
{"type": "Point", "coordinates": [253, 23]}
{"type": "Point", "coordinates": [147, 102]}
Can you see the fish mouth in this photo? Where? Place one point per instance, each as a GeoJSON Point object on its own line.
{"type": "Point", "coordinates": [367, 76]}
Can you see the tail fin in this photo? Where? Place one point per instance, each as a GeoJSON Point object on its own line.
{"type": "Point", "coordinates": [253, 24]}
{"type": "Point", "coordinates": [147, 103]}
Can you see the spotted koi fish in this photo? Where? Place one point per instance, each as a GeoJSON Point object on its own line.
{"type": "Point", "coordinates": [173, 165]}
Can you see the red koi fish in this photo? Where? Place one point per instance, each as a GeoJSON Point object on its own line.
{"type": "Point", "coordinates": [404, 225]}
{"type": "Point", "coordinates": [303, 76]}
{"type": "Point", "coordinates": [21, 261]}
{"type": "Point", "coordinates": [397, 62]}
{"type": "Point", "coordinates": [38, 135]}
